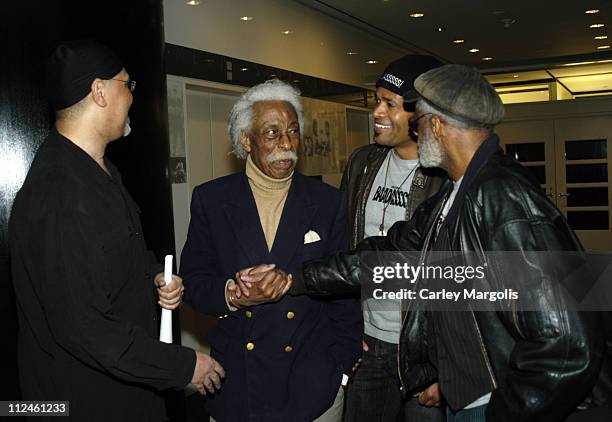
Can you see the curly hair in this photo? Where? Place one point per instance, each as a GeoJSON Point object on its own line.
{"type": "Point", "coordinates": [241, 116]}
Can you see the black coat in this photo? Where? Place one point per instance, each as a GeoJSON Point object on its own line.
{"type": "Point", "coordinates": [86, 301]}
{"type": "Point", "coordinates": [361, 170]}
{"type": "Point", "coordinates": [543, 364]}
{"type": "Point", "coordinates": [270, 383]}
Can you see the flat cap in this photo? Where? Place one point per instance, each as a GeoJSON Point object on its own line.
{"type": "Point", "coordinates": [463, 93]}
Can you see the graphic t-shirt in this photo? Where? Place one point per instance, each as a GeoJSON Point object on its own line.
{"type": "Point", "coordinates": [382, 318]}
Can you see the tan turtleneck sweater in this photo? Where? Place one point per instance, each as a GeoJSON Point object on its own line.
{"type": "Point", "coordinates": [270, 196]}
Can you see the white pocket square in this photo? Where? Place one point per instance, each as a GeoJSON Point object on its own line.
{"type": "Point", "coordinates": [311, 236]}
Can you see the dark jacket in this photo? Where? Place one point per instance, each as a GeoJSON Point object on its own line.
{"type": "Point", "coordinates": [86, 300]}
{"type": "Point", "coordinates": [359, 175]}
{"type": "Point", "coordinates": [268, 383]}
{"type": "Point", "coordinates": [542, 364]}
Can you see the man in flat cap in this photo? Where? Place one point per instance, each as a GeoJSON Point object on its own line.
{"type": "Point", "coordinates": [510, 363]}
{"type": "Point", "coordinates": [385, 184]}
{"type": "Point", "coordinates": [84, 280]}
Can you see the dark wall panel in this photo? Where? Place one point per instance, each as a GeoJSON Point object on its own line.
{"type": "Point", "coordinates": [192, 63]}
{"type": "Point", "coordinates": [24, 123]}
{"type": "Point", "coordinates": [30, 31]}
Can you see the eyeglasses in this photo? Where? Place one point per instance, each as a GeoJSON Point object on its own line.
{"type": "Point", "coordinates": [131, 84]}
{"type": "Point", "coordinates": [413, 124]}
{"type": "Point", "coordinates": [275, 135]}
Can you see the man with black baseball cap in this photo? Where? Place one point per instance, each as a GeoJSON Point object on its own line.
{"type": "Point", "coordinates": [83, 278]}
{"type": "Point", "coordinates": [385, 184]}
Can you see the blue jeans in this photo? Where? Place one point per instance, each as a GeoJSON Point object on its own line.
{"type": "Point", "coordinates": [374, 396]}
{"type": "Point", "coordinates": [476, 414]}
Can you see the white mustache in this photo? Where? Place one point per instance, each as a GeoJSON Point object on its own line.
{"type": "Point", "coordinates": [282, 155]}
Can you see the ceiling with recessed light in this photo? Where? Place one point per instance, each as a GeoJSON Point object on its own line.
{"type": "Point", "coordinates": [517, 33]}
{"type": "Point", "coordinates": [518, 44]}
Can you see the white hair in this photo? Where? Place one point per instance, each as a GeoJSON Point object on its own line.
{"type": "Point", "coordinates": [424, 107]}
{"type": "Point", "coordinates": [241, 116]}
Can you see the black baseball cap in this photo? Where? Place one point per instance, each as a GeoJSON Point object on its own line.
{"type": "Point", "coordinates": [399, 76]}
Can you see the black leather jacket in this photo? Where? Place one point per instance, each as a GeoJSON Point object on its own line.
{"type": "Point", "coordinates": [544, 365]}
{"type": "Point", "coordinates": [359, 175]}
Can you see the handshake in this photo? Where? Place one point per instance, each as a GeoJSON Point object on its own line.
{"type": "Point", "coordinates": [253, 286]}
{"type": "Point", "coordinates": [256, 285]}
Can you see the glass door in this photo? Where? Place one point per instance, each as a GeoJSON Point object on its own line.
{"type": "Point", "coordinates": [582, 174]}
{"type": "Point", "coordinates": [533, 145]}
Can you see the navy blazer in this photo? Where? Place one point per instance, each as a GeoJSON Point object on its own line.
{"type": "Point", "coordinates": [299, 347]}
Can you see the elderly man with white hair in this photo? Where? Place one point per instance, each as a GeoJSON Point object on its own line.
{"type": "Point", "coordinates": [284, 361]}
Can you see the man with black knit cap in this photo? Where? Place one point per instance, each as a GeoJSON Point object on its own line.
{"type": "Point", "coordinates": [385, 184]}
{"type": "Point", "coordinates": [83, 278]}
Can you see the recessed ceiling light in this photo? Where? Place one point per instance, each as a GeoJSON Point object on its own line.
{"type": "Point", "coordinates": [372, 61]}
{"type": "Point", "coordinates": [440, 29]}
{"type": "Point", "coordinates": [458, 41]}
{"type": "Point", "coordinates": [244, 69]}
{"type": "Point", "coordinates": [474, 50]}
{"type": "Point", "coordinates": [603, 47]}
{"type": "Point", "coordinates": [597, 25]}
{"type": "Point", "coordinates": [601, 37]}
{"type": "Point", "coordinates": [193, 2]}
{"type": "Point", "coordinates": [417, 15]}
{"type": "Point", "coordinates": [287, 32]}
{"type": "Point", "coordinates": [487, 58]}
{"type": "Point", "coordinates": [246, 18]}
{"type": "Point", "coordinates": [351, 53]}
{"type": "Point", "coordinates": [591, 11]}
{"type": "Point", "coordinates": [515, 76]}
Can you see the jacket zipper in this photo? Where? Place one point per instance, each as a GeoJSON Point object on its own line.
{"type": "Point", "coordinates": [484, 351]}
{"type": "Point", "coordinates": [421, 259]}
{"type": "Point", "coordinates": [358, 233]}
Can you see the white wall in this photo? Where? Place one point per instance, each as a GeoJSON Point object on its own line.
{"type": "Point", "coordinates": [317, 47]}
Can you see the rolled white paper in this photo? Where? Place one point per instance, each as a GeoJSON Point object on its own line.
{"type": "Point", "coordinates": [165, 329]}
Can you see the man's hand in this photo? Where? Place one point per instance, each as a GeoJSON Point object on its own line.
{"type": "Point", "coordinates": [244, 288]}
{"type": "Point", "coordinates": [261, 284]}
{"type": "Point", "coordinates": [430, 397]}
{"type": "Point", "coordinates": [170, 296]}
{"type": "Point", "coordinates": [207, 374]}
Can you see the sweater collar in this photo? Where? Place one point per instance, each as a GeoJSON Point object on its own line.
{"type": "Point", "coordinates": [263, 181]}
